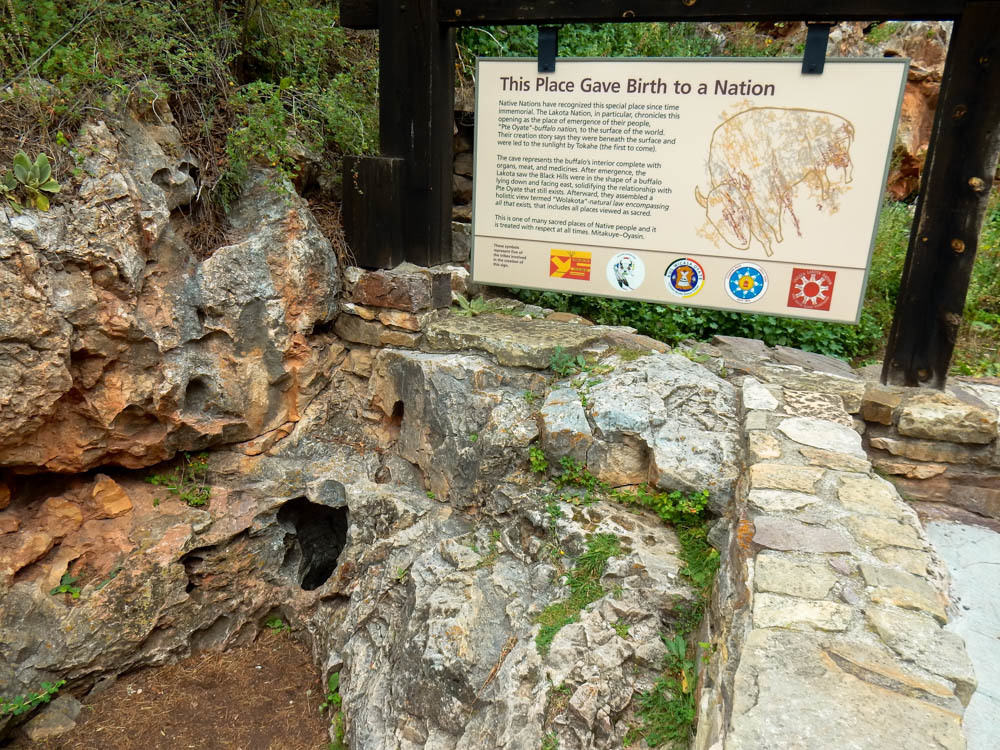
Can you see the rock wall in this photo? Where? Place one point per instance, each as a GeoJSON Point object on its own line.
{"type": "Point", "coordinates": [397, 525]}
{"type": "Point", "coordinates": [827, 615]}
{"type": "Point", "coordinates": [119, 346]}
{"type": "Point", "coordinates": [938, 447]}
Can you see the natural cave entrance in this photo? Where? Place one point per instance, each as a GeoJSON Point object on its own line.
{"type": "Point", "coordinates": [320, 533]}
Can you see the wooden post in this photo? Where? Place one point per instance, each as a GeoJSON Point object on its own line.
{"type": "Point", "coordinates": [955, 186]}
{"type": "Point", "coordinates": [372, 187]}
{"type": "Point", "coordinates": [416, 122]}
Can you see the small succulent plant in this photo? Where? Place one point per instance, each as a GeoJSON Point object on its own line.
{"type": "Point", "coordinates": [32, 180]}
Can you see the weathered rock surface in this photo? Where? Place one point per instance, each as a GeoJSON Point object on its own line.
{"type": "Point", "coordinates": [428, 612]}
{"type": "Point", "coordinates": [123, 348]}
{"type": "Point", "coordinates": [516, 341]}
{"type": "Point", "coordinates": [660, 419]}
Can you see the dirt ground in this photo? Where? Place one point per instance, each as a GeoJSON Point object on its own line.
{"type": "Point", "coordinates": [265, 696]}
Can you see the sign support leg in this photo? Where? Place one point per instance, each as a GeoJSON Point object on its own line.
{"type": "Point", "coordinates": [955, 187]}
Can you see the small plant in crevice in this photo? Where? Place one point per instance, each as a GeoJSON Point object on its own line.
{"type": "Point", "coordinates": [30, 181]}
{"type": "Point", "coordinates": [578, 486]}
{"type": "Point", "coordinates": [188, 481]}
{"type": "Point", "coordinates": [668, 710]}
{"type": "Point", "coordinates": [536, 458]}
{"type": "Point", "coordinates": [66, 586]}
{"type": "Point", "coordinates": [564, 364]}
{"type": "Point", "coordinates": [550, 741]}
{"type": "Point", "coordinates": [584, 582]}
{"type": "Point", "coordinates": [276, 625]}
{"type": "Point", "coordinates": [470, 308]}
{"type": "Point", "coordinates": [332, 702]}
{"type": "Point", "coordinates": [18, 706]}
{"type": "Point", "coordinates": [494, 552]}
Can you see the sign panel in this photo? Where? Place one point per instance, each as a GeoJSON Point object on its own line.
{"type": "Point", "coordinates": [732, 184]}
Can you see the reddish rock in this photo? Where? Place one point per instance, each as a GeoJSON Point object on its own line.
{"type": "Point", "coordinates": [402, 290]}
{"type": "Point", "coordinates": [59, 516]}
{"type": "Point", "coordinates": [9, 524]}
{"type": "Point", "coordinates": [879, 402]}
{"type": "Point", "coordinates": [18, 551]}
{"type": "Point", "coordinates": [130, 346]}
{"type": "Point", "coordinates": [400, 319]}
{"type": "Point", "coordinates": [111, 500]}
{"type": "Point", "coordinates": [567, 317]}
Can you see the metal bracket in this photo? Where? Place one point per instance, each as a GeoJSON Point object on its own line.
{"type": "Point", "coordinates": [814, 57]}
{"type": "Point", "coordinates": [548, 48]}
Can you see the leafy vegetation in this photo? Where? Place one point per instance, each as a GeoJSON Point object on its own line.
{"type": "Point", "coordinates": [470, 308]}
{"type": "Point", "coordinates": [248, 80]}
{"type": "Point", "coordinates": [564, 364]}
{"type": "Point", "coordinates": [879, 33]}
{"type": "Point", "coordinates": [30, 181]}
{"type": "Point", "coordinates": [188, 481]}
{"type": "Point", "coordinates": [66, 586]}
{"type": "Point", "coordinates": [584, 582]}
{"type": "Point", "coordinates": [276, 625]}
{"type": "Point", "coordinates": [18, 706]}
{"type": "Point", "coordinates": [668, 710]}
{"type": "Point", "coordinates": [536, 457]}
{"type": "Point", "coordinates": [332, 702]}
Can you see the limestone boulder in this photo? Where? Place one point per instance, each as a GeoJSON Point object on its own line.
{"type": "Point", "coordinates": [121, 346]}
{"type": "Point", "coordinates": [672, 415]}
{"type": "Point", "coordinates": [462, 420]}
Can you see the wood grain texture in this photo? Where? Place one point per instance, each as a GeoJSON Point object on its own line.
{"type": "Point", "coordinates": [954, 190]}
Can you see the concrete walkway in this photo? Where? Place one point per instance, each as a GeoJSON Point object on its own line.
{"type": "Point", "coordinates": [972, 554]}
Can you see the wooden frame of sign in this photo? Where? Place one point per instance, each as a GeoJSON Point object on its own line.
{"type": "Point", "coordinates": [397, 206]}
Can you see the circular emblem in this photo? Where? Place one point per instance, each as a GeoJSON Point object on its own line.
{"type": "Point", "coordinates": [626, 271]}
{"type": "Point", "coordinates": [746, 282]}
{"type": "Point", "coordinates": [684, 277]}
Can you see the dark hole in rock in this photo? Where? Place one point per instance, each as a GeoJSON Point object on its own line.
{"type": "Point", "coordinates": [322, 328]}
{"type": "Point", "coordinates": [161, 177]}
{"type": "Point", "coordinates": [193, 563]}
{"type": "Point", "coordinates": [320, 534]}
{"type": "Point", "coordinates": [394, 423]}
{"type": "Point", "coordinates": [197, 395]}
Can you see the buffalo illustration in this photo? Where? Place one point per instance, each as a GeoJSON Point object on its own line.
{"type": "Point", "coordinates": [756, 160]}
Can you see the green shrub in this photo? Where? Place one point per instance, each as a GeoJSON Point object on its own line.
{"type": "Point", "coordinates": [188, 480]}
{"type": "Point", "coordinates": [249, 80]}
{"type": "Point", "coordinates": [18, 706]}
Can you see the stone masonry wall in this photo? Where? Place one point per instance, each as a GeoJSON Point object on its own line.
{"type": "Point", "coordinates": [827, 616]}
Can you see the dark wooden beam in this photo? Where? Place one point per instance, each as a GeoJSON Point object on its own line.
{"type": "Point", "coordinates": [359, 14]}
{"type": "Point", "coordinates": [416, 120]}
{"type": "Point", "coordinates": [468, 12]}
{"type": "Point", "coordinates": [372, 214]}
{"type": "Point", "coordinates": [955, 186]}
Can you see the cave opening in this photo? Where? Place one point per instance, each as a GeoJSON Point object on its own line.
{"type": "Point", "coordinates": [320, 533]}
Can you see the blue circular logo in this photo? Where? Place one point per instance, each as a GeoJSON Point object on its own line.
{"type": "Point", "coordinates": [746, 282]}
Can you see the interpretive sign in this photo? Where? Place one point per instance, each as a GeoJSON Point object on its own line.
{"type": "Point", "coordinates": [732, 184]}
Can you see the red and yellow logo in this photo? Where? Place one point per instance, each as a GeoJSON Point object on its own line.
{"type": "Point", "coordinates": [569, 264]}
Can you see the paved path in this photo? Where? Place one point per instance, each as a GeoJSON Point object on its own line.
{"type": "Point", "coordinates": [972, 554]}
